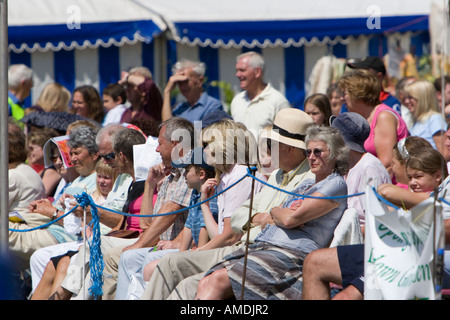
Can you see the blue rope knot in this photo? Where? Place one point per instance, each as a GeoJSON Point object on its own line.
{"type": "Point", "coordinates": [96, 263]}
{"type": "Point", "coordinates": [251, 170]}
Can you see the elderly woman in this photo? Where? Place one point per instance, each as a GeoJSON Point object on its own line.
{"type": "Point", "coordinates": [83, 154]}
{"type": "Point", "coordinates": [361, 91]}
{"type": "Point", "coordinates": [295, 229]}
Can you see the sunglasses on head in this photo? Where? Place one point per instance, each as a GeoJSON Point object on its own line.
{"type": "Point", "coordinates": [108, 156]}
{"type": "Point", "coordinates": [316, 151]}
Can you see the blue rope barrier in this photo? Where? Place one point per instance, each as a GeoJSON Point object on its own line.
{"type": "Point", "coordinates": [43, 226]}
{"type": "Point", "coordinates": [249, 174]}
{"type": "Point", "coordinates": [96, 263]}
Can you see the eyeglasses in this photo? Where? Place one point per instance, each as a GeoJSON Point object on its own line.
{"type": "Point", "coordinates": [316, 151]}
{"type": "Point", "coordinates": [108, 156]}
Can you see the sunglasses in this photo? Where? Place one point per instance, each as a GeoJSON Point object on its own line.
{"type": "Point", "coordinates": [108, 156]}
{"type": "Point", "coordinates": [316, 151]}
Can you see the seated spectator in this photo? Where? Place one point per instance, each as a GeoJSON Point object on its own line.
{"type": "Point", "coordinates": [400, 94]}
{"type": "Point", "coordinates": [275, 260]}
{"type": "Point", "coordinates": [56, 269]}
{"type": "Point", "coordinates": [401, 152]}
{"type": "Point", "coordinates": [143, 95]}
{"type": "Point", "coordinates": [375, 65]}
{"type": "Point", "coordinates": [114, 98]}
{"type": "Point", "coordinates": [319, 108]}
{"type": "Point", "coordinates": [130, 283]}
{"type": "Point", "coordinates": [226, 154]}
{"type": "Point", "coordinates": [25, 185]}
{"type": "Point", "coordinates": [344, 265]}
{"type": "Point", "coordinates": [335, 97]}
{"type": "Point", "coordinates": [178, 273]}
{"type": "Point", "coordinates": [53, 98]}
{"type": "Point", "coordinates": [443, 93]}
{"type": "Point", "coordinates": [428, 123]}
{"type": "Point", "coordinates": [83, 155]}
{"type": "Point", "coordinates": [361, 91]}
{"type": "Point", "coordinates": [86, 102]}
{"type": "Point", "coordinates": [189, 76]}
{"type": "Point", "coordinates": [363, 165]}
{"type": "Point", "coordinates": [108, 217]}
{"type": "Point", "coordinates": [173, 195]}
{"type": "Point", "coordinates": [36, 141]}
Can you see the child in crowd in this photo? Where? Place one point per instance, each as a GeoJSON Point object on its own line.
{"type": "Point", "coordinates": [400, 155]}
{"type": "Point", "coordinates": [195, 228]}
{"type": "Point", "coordinates": [114, 98]}
{"type": "Point", "coordinates": [56, 268]}
{"type": "Point", "coordinates": [425, 171]}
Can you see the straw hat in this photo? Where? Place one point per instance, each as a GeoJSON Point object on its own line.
{"type": "Point", "coordinates": [289, 127]}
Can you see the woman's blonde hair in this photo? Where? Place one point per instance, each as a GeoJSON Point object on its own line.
{"type": "Point", "coordinates": [229, 143]}
{"type": "Point", "coordinates": [424, 92]}
{"type": "Point", "coordinates": [54, 98]}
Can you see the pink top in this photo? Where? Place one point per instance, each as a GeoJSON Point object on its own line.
{"type": "Point", "coordinates": [402, 130]}
{"type": "Point", "coordinates": [134, 208]}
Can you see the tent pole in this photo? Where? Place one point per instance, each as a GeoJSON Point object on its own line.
{"type": "Point", "coordinates": [4, 150]}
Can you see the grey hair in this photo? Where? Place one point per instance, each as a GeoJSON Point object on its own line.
{"type": "Point", "coordinates": [142, 71]}
{"type": "Point", "coordinates": [17, 73]}
{"type": "Point", "coordinates": [199, 68]}
{"type": "Point", "coordinates": [108, 132]}
{"type": "Point", "coordinates": [256, 60]}
{"type": "Point", "coordinates": [83, 136]}
{"type": "Point", "coordinates": [176, 128]}
{"type": "Point", "coordinates": [125, 140]}
{"type": "Point", "coordinates": [335, 142]}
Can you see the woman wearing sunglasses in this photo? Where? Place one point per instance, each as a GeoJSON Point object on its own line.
{"type": "Point", "coordinates": [293, 230]}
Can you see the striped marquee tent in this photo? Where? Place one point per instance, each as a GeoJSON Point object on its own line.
{"type": "Point", "coordinates": [76, 42]}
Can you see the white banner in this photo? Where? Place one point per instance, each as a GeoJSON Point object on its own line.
{"type": "Point", "coordinates": [399, 250]}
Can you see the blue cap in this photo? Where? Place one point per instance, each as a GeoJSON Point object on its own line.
{"type": "Point", "coordinates": [196, 157]}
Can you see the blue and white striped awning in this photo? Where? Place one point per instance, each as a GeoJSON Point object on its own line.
{"type": "Point", "coordinates": [250, 23]}
{"type": "Point", "coordinates": [42, 25]}
{"type": "Point", "coordinates": [68, 24]}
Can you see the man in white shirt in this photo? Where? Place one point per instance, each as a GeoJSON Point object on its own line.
{"type": "Point", "coordinates": [258, 103]}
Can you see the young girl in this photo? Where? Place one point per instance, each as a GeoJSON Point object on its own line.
{"type": "Point", "coordinates": [56, 269]}
{"type": "Point", "coordinates": [400, 155]}
{"type": "Point", "coordinates": [425, 171]}
{"type": "Point", "coordinates": [318, 107]}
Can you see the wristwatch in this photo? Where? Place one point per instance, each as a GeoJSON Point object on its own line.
{"type": "Point", "coordinates": [55, 214]}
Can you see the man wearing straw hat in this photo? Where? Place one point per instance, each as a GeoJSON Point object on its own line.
{"type": "Point", "coordinates": [177, 274]}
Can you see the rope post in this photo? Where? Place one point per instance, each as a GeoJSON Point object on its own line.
{"type": "Point", "coordinates": [252, 171]}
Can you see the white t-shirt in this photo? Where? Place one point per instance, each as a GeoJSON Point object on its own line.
{"type": "Point", "coordinates": [114, 115]}
{"type": "Point", "coordinates": [367, 167]}
{"type": "Point", "coordinates": [260, 112]}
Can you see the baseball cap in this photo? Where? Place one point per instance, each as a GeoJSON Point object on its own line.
{"type": "Point", "coordinates": [374, 63]}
